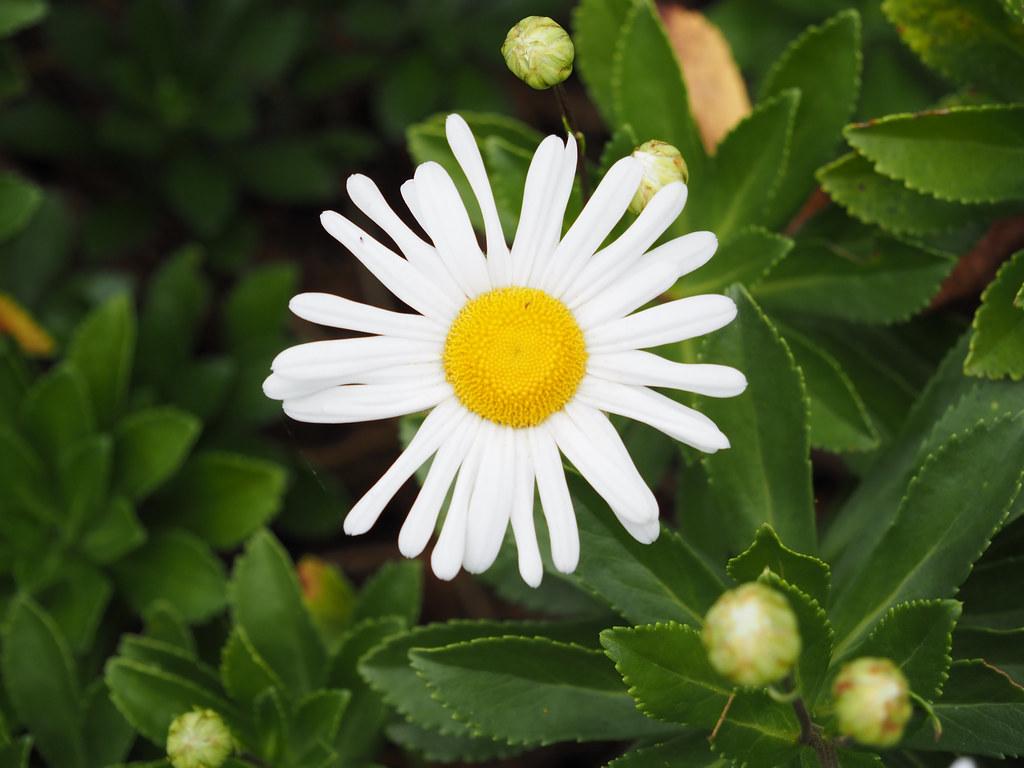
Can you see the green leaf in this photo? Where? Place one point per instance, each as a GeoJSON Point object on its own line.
{"type": "Point", "coordinates": [744, 258]}
{"type": "Point", "coordinates": [824, 65]}
{"type": "Point", "coordinates": [267, 604]}
{"type": "Point", "coordinates": [103, 349]}
{"type": "Point", "coordinates": [997, 343]}
{"type": "Point", "coordinates": [643, 582]}
{"type": "Point", "coordinates": [981, 711]}
{"type": "Point", "coordinates": [870, 197]}
{"type": "Point", "coordinates": [690, 750]}
{"type": "Point", "coordinates": [223, 497]}
{"type": "Point", "coordinates": [766, 476]}
{"type": "Point", "coordinates": [669, 676]}
{"type": "Point", "coordinates": [445, 748]}
{"type": "Point", "coordinates": [747, 168]}
{"type": "Point", "coordinates": [550, 691]}
{"type": "Point", "coordinates": [396, 589]}
{"type": "Point", "coordinates": [649, 92]}
{"type": "Point", "coordinates": [177, 567]}
{"type": "Point", "coordinates": [388, 671]}
{"type": "Point", "coordinates": [1002, 648]}
{"type": "Point", "coordinates": [962, 154]}
{"type": "Point", "coordinates": [971, 42]}
{"type": "Point", "coordinates": [988, 594]}
{"type": "Point", "coordinates": [808, 573]}
{"type": "Point", "coordinates": [150, 698]}
{"type": "Point", "coordinates": [151, 445]}
{"type": "Point", "coordinates": [164, 623]}
{"type": "Point", "coordinates": [256, 308]}
{"type": "Point", "coordinates": [316, 721]}
{"type": "Point", "coordinates": [879, 279]}
{"type": "Point", "coordinates": [169, 658]}
{"type": "Point", "coordinates": [200, 192]}
{"type": "Point", "coordinates": [290, 171]}
{"type": "Point", "coordinates": [39, 677]}
{"type": "Point", "coordinates": [108, 736]}
{"type": "Point", "coordinates": [15, 754]}
{"type": "Point", "coordinates": [115, 532]}
{"type": "Point", "coordinates": [930, 546]}
{"type": "Point", "coordinates": [917, 636]}
{"type": "Point", "coordinates": [596, 26]}
{"type": "Point", "coordinates": [270, 727]}
{"type": "Point", "coordinates": [18, 14]}
{"type": "Point", "coordinates": [19, 199]}
{"type": "Point", "coordinates": [245, 674]}
{"type": "Point", "coordinates": [83, 475]}
{"type": "Point", "coordinates": [76, 602]}
{"type": "Point", "coordinates": [56, 411]}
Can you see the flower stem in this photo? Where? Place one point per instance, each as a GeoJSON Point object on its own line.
{"type": "Point", "coordinates": [581, 140]}
{"type": "Point", "coordinates": [810, 735]}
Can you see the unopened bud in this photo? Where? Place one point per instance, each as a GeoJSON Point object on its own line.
{"type": "Point", "coordinates": [199, 739]}
{"type": "Point", "coordinates": [872, 701]}
{"type": "Point", "coordinates": [539, 52]}
{"type": "Point", "coordinates": [751, 635]}
{"type": "Point", "coordinates": [663, 164]}
{"type": "Point", "coordinates": [327, 594]}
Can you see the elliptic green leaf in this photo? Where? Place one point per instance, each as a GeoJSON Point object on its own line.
{"type": "Point", "coordinates": [690, 750]}
{"type": "Point", "coordinates": [396, 589]}
{"type": "Point", "coordinates": [150, 446]}
{"type": "Point", "coordinates": [56, 412]}
{"type": "Point", "coordinates": [19, 199]}
{"type": "Point", "coordinates": [744, 258]}
{"type": "Point", "coordinates": [997, 343]}
{"type": "Point", "coordinates": [824, 65]}
{"type": "Point", "coordinates": [103, 349]}
{"type": "Point", "coordinates": [115, 532]}
{"type": "Point", "coordinates": [962, 154]}
{"type": "Point", "coordinates": [765, 477]}
{"type": "Point", "coordinates": [805, 572]}
{"type": "Point", "coordinates": [596, 26]}
{"type": "Point", "coordinates": [550, 691]}
{"type": "Point", "coordinates": [244, 674]}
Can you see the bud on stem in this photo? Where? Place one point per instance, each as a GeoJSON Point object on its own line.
{"type": "Point", "coordinates": [539, 52]}
{"type": "Point", "coordinates": [662, 165]}
{"type": "Point", "coordinates": [872, 701]}
{"type": "Point", "coordinates": [199, 739]}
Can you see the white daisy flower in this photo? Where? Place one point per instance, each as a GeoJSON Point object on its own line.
{"type": "Point", "coordinates": [518, 353]}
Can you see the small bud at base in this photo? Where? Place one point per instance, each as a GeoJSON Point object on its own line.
{"type": "Point", "coordinates": [662, 165]}
{"type": "Point", "coordinates": [751, 635]}
{"type": "Point", "coordinates": [198, 739]}
{"type": "Point", "coordinates": [872, 701]}
{"type": "Point", "coordinates": [539, 52]}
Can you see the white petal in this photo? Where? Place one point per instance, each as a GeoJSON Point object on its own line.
{"type": "Point", "coordinates": [617, 259]}
{"type": "Point", "coordinates": [656, 273]}
{"type": "Point", "coordinates": [550, 230]}
{"type": "Point", "coordinates": [541, 180]}
{"type": "Point", "coordinates": [645, 533]}
{"type": "Point", "coordinates": [397, 274]}
{"type": "Point", "coordinates": [366, 402]}
{"type": "Point", "coordinates": [467, 154]}
{"type": "Point", "coordinates": [421, 254]}
{"type": "Point", "coordinates": [338, 312]}
{"type": "Point", "coordinates": [422, 518]}
{"type": "Point", "coordinates": [435, 428]}
{"type": "Point", "coordinates": [641, 404]}
{"type": "Point", "coordinates": [555, 500]}
{"type": "Point", "coordinates": [340, 357]}
{"type": "Point", "coordinates": [531, 567]}
{"type": "Point", "coordinates": [663, 324]}
{"type": "Point", "coordinates": [280, 386]}
{"type": "Point", "coordinates": [598, 217]}
{"type": "Point", "coordinates": [626, 493]}
{"type": "Point", "coordinates": [491, 505]}
{"type": "Point", "coordinates": [446, 559]}
{"type": "Point", "coordinates": [447, 223]}
{"type": "Point", "coordinates": [649, 370]}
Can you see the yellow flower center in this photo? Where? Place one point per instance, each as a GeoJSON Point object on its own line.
{"type": "Point", "coordinates": [515, 356]}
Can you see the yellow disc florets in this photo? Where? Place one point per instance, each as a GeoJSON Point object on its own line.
{"type": "Point", "coordinates": [515, 356]}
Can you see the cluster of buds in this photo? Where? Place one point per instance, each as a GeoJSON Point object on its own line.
{"type": "Point", "coordinates": [872, 701]}
{"type": "Point", "coordinates": [199, 739]}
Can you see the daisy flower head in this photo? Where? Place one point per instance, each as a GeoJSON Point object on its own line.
{"type": "Point", "coordinates": [519, 353]}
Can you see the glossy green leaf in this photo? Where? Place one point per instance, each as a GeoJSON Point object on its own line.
{"type": "Point", "coordinates": [648, 90]}
{"type": "Point", "coordinates": [446, 748]}
{"type": "Point", "coordinates": [962, 154]}
{"type": "Point", "coordinates": [669, 676]}
{"type": "Point", "coordinates": [596, 26]}
{"type": "Point", "coordinates": [223, 497]}
{"type": "Point", "coordinates": [918, 637]}
{"type": "Point", "coordinates": [76, 602]}
{"type": "Point", "coordinates": [982, 713]}
{"type": "Point", "coordinates": [115, 532]}
{"type": "Point", "coordinates": [163, 622]}
{"type": "Point", "coordinates": [244, 674]}
{"type": "Point", "coordinates": [150, 446]}
{"type": "Point", "coordinates": [929, 549]}
{"type": "Point", "coordinates": [690, 750]}
{"type": "Point", "coordinates": [744, 258]}
{"type": "Point", "coordinates": [19, 199]}
{"type": "Point", "coordinates": [103, 350]}
{"type": "Point", "coordinates": [56, 411]}
{"type": "Point", "coordinates": [177, 567]}
{"type": "Point", "coordinates": [396, 589]}
{"type": "Point", "coordinates": [315, 721]}
{"type": "Point", "coordinates": [40, 679]}
{"type": "Point", "coordinates": [267, 603]}
{"type": "Point", "coordinates": [1001, 648]}
{"type": "Point", "coordinates": [971, 42]}
{"type": "Point", "coordinates": [765, 477]}
{"type": "Point", "coordinates": [989, 594]}
{"type": "Point", "coordinates": [169, 658]}
{"type": "Point", "coordinates": [83, 478]}
{"type": "Point", "coordinates": [256, 308]}
{"type": "Point", "coordinates": [997, 343]}
{"type": "Point", "coordinates": [108, 736]}
{"type": "Point", "coordinates": [870, 197]}
{"type": "Point", "coordinates": [747, 168]}
{"type": "Point", "coordinates": [551, 691]}
{"type": "Point", "coordinates": [643, 582]}
{"type": "Point", "coordinates": [824, 65]}
{"type": "Point", "coordinates": [805, 572]}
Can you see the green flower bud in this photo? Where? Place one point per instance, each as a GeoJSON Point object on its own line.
{"type": "Point", "coordinates": [872, 701]}
{"type": "Point", "coordinates": [199, 739]}
{"type": "Point", "coordinates": [751, 635]}
{"type": "Point", "coordinates": [663, 164]}
{"type": "Point", "coordinates": [327, 594]}
{"type": "Point", "coordinates": [539, 52]}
